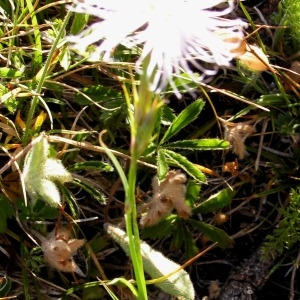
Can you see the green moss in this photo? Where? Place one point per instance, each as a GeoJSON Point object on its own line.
{"type": "Point", "coordinates": [288, 39]}
{"type": "Point", "coordinates": [287, 233]}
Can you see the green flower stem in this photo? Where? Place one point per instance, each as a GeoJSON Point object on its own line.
{"type": "Point", "coordinates": [40, 81]}
{"type": "Point", "coordinates": [133, 230]}
{"type": "Point", "coordinates": [130, 204]}
{"type": "Point", "coordinates": [142, 121]}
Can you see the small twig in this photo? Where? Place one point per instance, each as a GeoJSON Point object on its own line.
{"type": "Point", "coordinates": [265, 21]}
{"type": "Point", "coordinates": [89, 146]}
{"type": "Point", "coordinates": [279, 153]}
{"type": "Point", "coordinates": [234, 96]}
{"type": "Point", "coordinates": [264, 127]}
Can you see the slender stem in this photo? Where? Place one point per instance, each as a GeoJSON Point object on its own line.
{"type": "Point", "coordinates": [41, 80]}
{"type": "Point", "coordinates": [130, 206]}
{"type": "Point", "coordinates": [133, 231]}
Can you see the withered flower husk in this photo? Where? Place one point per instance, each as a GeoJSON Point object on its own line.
{"type": "Point", "coordinates": [167, 195]}
{"type": "Point", "coordinates": [59, 249]}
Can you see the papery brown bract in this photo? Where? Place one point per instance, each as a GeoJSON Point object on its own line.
{"type": "Point", "coordinates": [236, 134]}
{"type": "Point", "coordinates": [59, 250]}
{"type": "Point", "coordinates": [157, 209]}
{"type": "Point", "coordinates": [255, 59]}
{"type": "Point", "coordinates": [167, 195]}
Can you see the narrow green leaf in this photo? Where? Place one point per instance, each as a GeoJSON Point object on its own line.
{"type": "Point", "coordinates": [9, 73]}
{"type": "Point", "coordinates": [37, 40]}
{"type": "Point", "coordinates": [167, 116]}
{"type": "Point", "coordinates": [55, 101]}
{"type": "Point", "coordinates": [71, 201]}
{"type": "Point", "coordinates": [100, 94]}
{"type": "Point", "coordinates": [184, 164]}
{"type": "Point", "coordinates": [151, 149]}
{"type": "Point", "coordinates": [91, 164]}
{"type": "Point", "coordinates": [213, 233]}
{"type": "Point", "coordinates": [188, 115]}
{"type": "Point", "coordinates": [162, 166]}
{"type": "Point", "coordinates": [203, 144]}
{"type": "Point", "coordinates": [215, 202]}
{"type": "Point", "coordinates": [192, 192]}
{"type": "Point", "coordinates": [122, 281]}
{"type": "Point", "coordinates": [95, 193]}
{"type": "Point", "coordinates": [25, 277]}
{"type": "Point", "coordinates": [78, 24]}
{"type": "Point", "coordinates": [5, 287]}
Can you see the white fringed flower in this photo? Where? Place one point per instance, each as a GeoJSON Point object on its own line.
{"type": "Point", "coordinates": [175, 35]}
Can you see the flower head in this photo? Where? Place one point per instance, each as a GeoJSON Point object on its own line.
{"type": "Point", "coordinates": [174, 35]}
{"type": "Point", "coordinates": [59, 249]}
{"type": "Point", "coordinates": [167, 195]}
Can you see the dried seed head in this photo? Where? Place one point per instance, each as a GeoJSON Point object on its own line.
{"type": "Point", "coordinates": [236, 134]}
{"type": "Point", "coordinates": [167, 195]}
{"type": "Point", "coordinates": [59, 250]}
{"type": "Point", "coordinates": [157, 209]}
{"type": "Point", "coordinates": [214, 290]}
{"type": "Point", "coordinates": [220, 218]}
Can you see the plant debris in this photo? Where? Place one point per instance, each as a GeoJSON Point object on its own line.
{"type": "Point", "coordinates": [167, 195]}
{"type": "Point", "coordinates": [59, 249]}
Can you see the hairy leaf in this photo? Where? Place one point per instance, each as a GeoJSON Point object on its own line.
{"type": "Point", "coordinates": [41, 174]}
{"type": "Point", "coordinates": [185, 164]}
{"type": "Point", "coordinates": [157, 265]}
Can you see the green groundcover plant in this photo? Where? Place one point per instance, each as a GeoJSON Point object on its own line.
{"type": "Point", "coordinates": [87, 88]}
